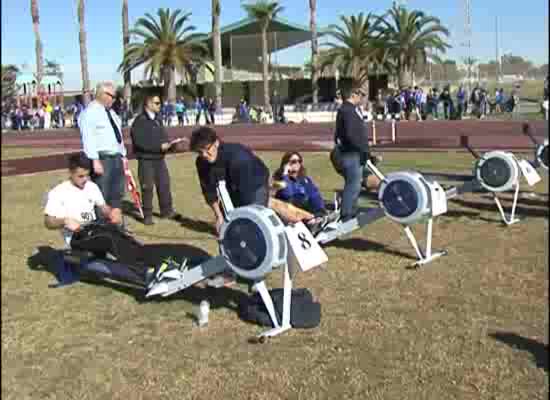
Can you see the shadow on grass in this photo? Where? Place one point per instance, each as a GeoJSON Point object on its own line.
{"type": "Point", "coordinates": [447, 177]}
{"type": "Point", "coordinates": [520, 211]}
{"type": "Point", "coordinates": [128, 209]}
{"type": "Point", "coordinates": [360, 244]}
{"type": "Point", "coordinates": [537, 349]}
{"type": "Point", "coordinates": [541, 200]}
{"type": "Point", "coordinates": [223, 297]}
{"type": "Point", "coordinates": [47, 258]}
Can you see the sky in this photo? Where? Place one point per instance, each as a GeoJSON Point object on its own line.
{"type": "Point", "coordinates": [523, 29]}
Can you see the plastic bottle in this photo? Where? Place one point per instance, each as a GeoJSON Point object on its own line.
{"type": "Point", "coordinates": [204, 310]}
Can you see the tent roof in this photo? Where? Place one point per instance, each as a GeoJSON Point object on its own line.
{"type": "Point", "coordinates": [294, 33]}
{"type": "Point", "coordinates": [28, 77]}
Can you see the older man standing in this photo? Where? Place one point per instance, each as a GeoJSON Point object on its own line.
{"type": "Point", "coordinates": [151, 142]}
{"type": "Point", "coordinates": [102, 141]}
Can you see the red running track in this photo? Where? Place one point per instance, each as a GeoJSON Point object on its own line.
{"type": "Point", "coordinates": [434, 135]}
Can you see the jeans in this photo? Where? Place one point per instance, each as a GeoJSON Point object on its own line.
{"type": "Point", "coordinates": [154, 173]}
{"type": "Point", "coordinates": [353, 175]}
{"type": "Point", "coordinates": [112, 182]}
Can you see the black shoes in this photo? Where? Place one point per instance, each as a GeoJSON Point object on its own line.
{"type": "Point", "coordinates": [170, 215]}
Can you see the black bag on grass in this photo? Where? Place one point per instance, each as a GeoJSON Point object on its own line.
{"type": "Point", "coordinates": [304, 312]}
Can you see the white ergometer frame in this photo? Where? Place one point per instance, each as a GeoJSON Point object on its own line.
{"type": "Point", "coordinates": [178, 279]}
{"type": "Point", "coordinates": [425, 255]}
{"type": "Point", "coordinates": [513, 219]}
{"type": "Point", "coordinates": [285, 325]}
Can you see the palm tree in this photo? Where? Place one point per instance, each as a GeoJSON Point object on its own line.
{"type": "Point", "coordinates": [9, 86]}
{"type": "Point", "coordinates": [125, 41]}
{"type": "Point", "coordinates": [314, 48]}
{"type": "Point", "coordinates": [167, 47]}
{"type": "Point", "coordinates": [408, 36]}
{"type": "Point", "coordinates": [52, 67]}
{"type": "Point", "coordinates": [38, 43]}
{"type": "Point", "coordinates": [83, 54]}
{"type": "Point", "coordinates": [217, 47]}
{"type": "Point", "coordinates": [356, 49]}
{"type": "Point", "coordinates": [264, 11]}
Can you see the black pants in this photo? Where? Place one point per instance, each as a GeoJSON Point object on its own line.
{"type": "Point", "coordinates": [154, 173]}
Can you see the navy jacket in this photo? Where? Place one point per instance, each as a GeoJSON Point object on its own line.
{"type": "Point", "coordinates": [241, 169]}
{"type": "Point", "coordinates": [148, 135]}
{"type": "Point", "coordinates": [303, 193]}
{"type": "Point", "coordinates": [351, 130]}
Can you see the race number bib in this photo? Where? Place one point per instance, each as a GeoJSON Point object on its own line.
{"type": "Point", "coordinates": [531, 175]}
{"type": "Point", "coordinates": [304, 253]}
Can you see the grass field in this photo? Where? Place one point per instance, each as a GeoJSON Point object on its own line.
{"type": "Point", "coordinates": [472, 325]}
{"type": "Point", "coordinates": [14, 152]}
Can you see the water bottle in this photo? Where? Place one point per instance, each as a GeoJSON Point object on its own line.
{"type": "Point", "coordinates": [202, 317]}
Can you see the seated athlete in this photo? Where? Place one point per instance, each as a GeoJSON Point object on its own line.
{"type": "Point", "coordinates": [298, 188]}
{"type": "Point", "coordinates": [72, 203]}
{"type": "Point", "coordinates": [71, 206]}
{"type": "Point", "coordinates": [246, 176]}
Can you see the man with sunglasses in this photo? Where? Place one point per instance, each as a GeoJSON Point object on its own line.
{"type": "Point", "coordinates": [352, 145]}
{"type": "Point", "coordinates": [150, 142]}
{"type": "Point", "coordinates": [102, 141]}
{"type": "Point", "coordinates": [246, 176]}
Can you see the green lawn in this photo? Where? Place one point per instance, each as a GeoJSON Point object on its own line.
{"type": "Point", "coordinates": [387, 332]}
{"type": "Point", "coordinates": [14, 152]}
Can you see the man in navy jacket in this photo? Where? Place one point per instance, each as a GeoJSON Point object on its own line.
{"type": "Point", "coordinates": [352, 139]}
{"type": "Point", "coordinates": [246, 176]}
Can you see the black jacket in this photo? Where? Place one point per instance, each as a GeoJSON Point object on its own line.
{"type": "Point", "coordinates": [351, 131]}
{"type": "Point", "coordinates": [147, 137]}
{"type": "Point", "coordinates": [241, 169]}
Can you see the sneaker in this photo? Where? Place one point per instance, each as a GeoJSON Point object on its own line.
{"type": "Point", "coordinates": [154, 274]}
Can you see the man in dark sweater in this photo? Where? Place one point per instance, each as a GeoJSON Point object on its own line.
{"type": "Point", "coordinates": [246, 176]}
{"type": "Point", "coordinates": [150, 143]}
{"type": "Point", "coordinates": [351, 137]}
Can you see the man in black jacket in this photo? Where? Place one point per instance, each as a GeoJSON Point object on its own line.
{"type": "Point", "coordinates": [351, 137]}
{"type": "Point", "coordinates": [150, 143]}
{"type": "Point", "coordinates": [246, 176]}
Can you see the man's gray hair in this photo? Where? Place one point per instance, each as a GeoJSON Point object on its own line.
{"type": "Point", "coordinates": [100, 88]}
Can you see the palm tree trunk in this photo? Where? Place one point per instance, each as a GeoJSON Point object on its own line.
{"type": "Point", "coordinates": [169, 84]}
{"type": "Point", "coordinates": [125, 42]}
{"type": "Point", "coordinates": [38, 44]}
{"type": "Point", "coordinates": [83, 54]}
{"type": "Point", "coordinates": [405, 77]}
{"type": "Point", "coordinates": [265, 70]}
{"type": "Point", "coordinates": [217, 47]}
{"type": "Point", "coordinates": [314, 49]}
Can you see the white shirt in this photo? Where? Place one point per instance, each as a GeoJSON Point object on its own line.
{"type": "Point", "coordinates": [68, 201]}
{"type": "Point", "coordinates": [97, 133]}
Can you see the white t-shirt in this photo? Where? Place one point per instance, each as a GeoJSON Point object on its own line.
{"type": "Point", "coordinates": [68, 201]}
